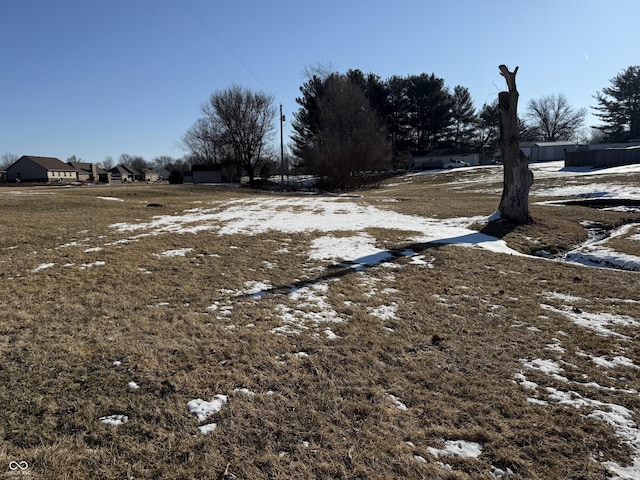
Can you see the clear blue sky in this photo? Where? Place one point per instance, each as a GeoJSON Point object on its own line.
{"type": "Point", "coordinates": [96, 78]}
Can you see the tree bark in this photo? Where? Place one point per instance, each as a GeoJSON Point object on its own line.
{"type": "Point", "coordinates": [514, 205]}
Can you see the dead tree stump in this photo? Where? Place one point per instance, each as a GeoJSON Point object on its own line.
{"type": "Point", "coordinates": [514, 205]}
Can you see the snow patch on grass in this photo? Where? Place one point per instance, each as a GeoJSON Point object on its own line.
{"type": "Point", "coordinates": [114, 420]}
{"type": "Point", "coordinates": [43, 266]}
{"type": "Point", "coordinates": [599, 322]}
{"type": "Point", "coordinates": [111, 199]}
{"type": "Point", "coordinates": [384, 312]}
{"type": "Point", "coordinates": [178, 252]}
{"type": "Point", "coordinates": [203, 409]}
{"type": "Point", "coordinates": [457, 448]}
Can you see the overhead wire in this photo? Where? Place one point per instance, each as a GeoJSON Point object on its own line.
{"type": "Point", "coordinates": [184, 40]}
{"type": "Point", "coordinates": [231, 52]}
{"type": "Point", "coordinates": [219, 39]}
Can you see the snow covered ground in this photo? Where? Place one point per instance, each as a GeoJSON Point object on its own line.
{"type": "Point", "coordinates": [335, 214]}
{"type": "Point", "coordinates": [307, 307]}
{"type": "Point", "coordinates": [593, 253]}
{"type": "Point", "coordinates": [620, 418]}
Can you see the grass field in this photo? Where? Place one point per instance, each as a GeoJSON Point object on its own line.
{"type": "Point", "coordinates": [226, 333]}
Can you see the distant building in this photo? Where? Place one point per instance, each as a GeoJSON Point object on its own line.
{"type": "Point", "coordinates": [163, 174]}
{"type": "Point", "coordinates": [550, 151]}
{"type": "Point", "coordinates": [122, 174]}
{"type": "Point", "coordinates": [525, 147]}
{"type": "Point", "coordinates": [90, 172]}
{"type": "Point", "coordinates": [41, 170]}
{"type": "Point", "coordinates": [212, 173]}
{"type": "Point", "coordinates": [127, 174]}
{"type": "Point", "coordinates": [150, 176]}
{"type": "Point", "coordinates": [604, 156]}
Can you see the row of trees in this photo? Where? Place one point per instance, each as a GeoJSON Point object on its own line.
{"type": "Point", "coordinates": [352, 123]}
{"type": "Point", "coordinates": [421, 113]}
{"type": "Point", "coordinates": [418, 112]}
{"type": "Point", "coordinates": [138, 162]}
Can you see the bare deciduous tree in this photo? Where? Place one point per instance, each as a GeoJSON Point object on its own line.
{"type": "Point", "coordinates": [514, 204]}
{"type": "Point", "coordinates": [244, 122]}
{"type": "Point", "coordinates": [107, 163]}
{"type": "Point", "coordinates": [7, 160]}
{"type": "Point", "coordinates": [200, 141]}
{"type": "Point", "coordinates": [319, 70]}
{"type": "Point", "coordinates": [554, 119]}
{"type": "Point", "coordinates": [162, 161]}
{"type": "Point", "coordinates": [134, 161]}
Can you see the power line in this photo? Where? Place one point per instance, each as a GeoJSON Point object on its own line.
{"type": "Point", "coordinates": [176, 34]}
{"type": "Point", "coordinates": [217, 37]}
{"type": "Point", "coordinates": [206, 25]}
{"type": "Point", "coordinates": [224, 44]}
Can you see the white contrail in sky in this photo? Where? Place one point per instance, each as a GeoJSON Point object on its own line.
{"type": "Point", "coordinates": [586, 57]}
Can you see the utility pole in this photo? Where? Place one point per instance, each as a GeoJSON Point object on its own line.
{"type": "Point", "coordinates": [281, 149]}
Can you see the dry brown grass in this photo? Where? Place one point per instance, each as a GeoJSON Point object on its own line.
{"type": "Point", "coordinates": [450, 353]}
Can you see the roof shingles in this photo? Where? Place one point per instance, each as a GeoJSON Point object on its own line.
{"type": "Point", "coordinates": [50, 163]}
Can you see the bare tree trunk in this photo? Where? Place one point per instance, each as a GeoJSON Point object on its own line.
{"type": "Point", "coordinates": [514, 205]}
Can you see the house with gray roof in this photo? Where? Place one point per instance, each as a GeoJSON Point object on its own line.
{"type": "Point", "coordinates": [122, 173]}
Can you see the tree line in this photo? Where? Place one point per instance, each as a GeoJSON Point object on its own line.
{"type": "Point", "coordinates": [419, 112]}
{"type": "Point", "coordinates": [351, 124]}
